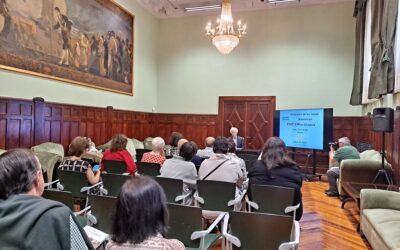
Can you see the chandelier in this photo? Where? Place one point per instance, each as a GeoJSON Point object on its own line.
{"type": "Point", "coordinates": [223, 36]}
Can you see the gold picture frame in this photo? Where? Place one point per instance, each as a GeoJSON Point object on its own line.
{"type": "Point", "coordinates": [89, 43]}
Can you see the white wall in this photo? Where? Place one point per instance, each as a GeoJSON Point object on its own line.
{"type": "Point", "coordinates": [303, 56]}
{"type": "Point", "coordinates": [145, 79]}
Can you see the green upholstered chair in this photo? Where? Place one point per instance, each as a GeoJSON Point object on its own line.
{"type": "Point", "coordinates": [361, 170]}
{"type": "Point", "coordinates": [253, 231]}
{"type": "Point", "coordinates": [49, 147]}
{"type": "Point", "coordinates": [2, 151]}
{"type": "Point", "coordinates": [49, 162]}
{"type": "Point", "coordinates": [380, 218]}
{"type": "Point", "coordinates": [147, 143]}
{"type": "Point", "coordinates": [185, 224]}
{"type": "Point", "coordinates": [149, 169]}
{"type": "Point", "coordinates": [101, 212]}
{"type": "Point", "coordinates": [112, 183]}
{"type": "Point", "coordinates": [138, 144]}
{"type": "Point", "coordinates": [114, 167]}
{"type": "Point", "coordinates": [104, 146]}
{"type": "Point", "coordinates": [272, 200]}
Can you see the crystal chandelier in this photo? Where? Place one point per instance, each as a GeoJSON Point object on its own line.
{"type": "Point", "coordinates": [224, 36]}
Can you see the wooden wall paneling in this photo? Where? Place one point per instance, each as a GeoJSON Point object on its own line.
{"type": "Point", "coordinates": [16, 123]}
{"type": "Point", "coordinates": [396, 145]}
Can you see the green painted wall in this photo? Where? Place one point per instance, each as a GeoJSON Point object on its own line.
{"type": "Point", "coordinates": [145, 82]}
{"type": "Point", "coordinates": [303, 56]}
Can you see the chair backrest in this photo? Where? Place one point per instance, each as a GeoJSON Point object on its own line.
{"type": "Point", "coordinates": [183, 221]}
{"type": "Point", "coordinates": [172, 187]}
{"type": "Point", "coordinates": [249, 159]}
{"type": "Point", "coordinates": [140, 152]}
{"type": "Point", "coordinates": [114, 167]}
{"type": "Point", "coordinates": [272, 199]}
{"type": "Point", "coordinates": [50, 147]}
{"type": "Point", "coordinates": [149, 169]}
{"type": "Point", "coordinates": [249, 152]}
{"type": "Point", "coordinates": [64, 197]}
{"type": "Point", "coordinates": [114, 182]}
{"type": "Point", "coordinates": [102, 207]}
{"type": "Point", "coordinates": [73, 181]}
{"type": "Point", "coordinates": [216, 194]}
{"type": "Point", "coordinates": [260, 231]}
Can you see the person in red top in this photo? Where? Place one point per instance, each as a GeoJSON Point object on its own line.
{"type": "Point", "coordinates": [157, 153]}
{"type": "Point", "coordinates": [118, 152]}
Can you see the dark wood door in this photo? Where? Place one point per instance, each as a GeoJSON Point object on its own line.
{"type": "Point", "coordinates": [253, 116]}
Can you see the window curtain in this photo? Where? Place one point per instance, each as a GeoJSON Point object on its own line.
{"type": "Point", "coordinates": [367, 55]}
{"type": "Point", "coordinates": [383, 28]}
{"type": "Point", "coordinates": [397, 54]}
{"type": "Point", "coordinates": [359, 13]}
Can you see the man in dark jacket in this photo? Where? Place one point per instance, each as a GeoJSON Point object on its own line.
{"type": "Point", "coordinates": [28, 221]}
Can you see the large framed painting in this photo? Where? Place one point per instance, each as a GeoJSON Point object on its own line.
{"type": "Point", "coordinates": [86, 42]}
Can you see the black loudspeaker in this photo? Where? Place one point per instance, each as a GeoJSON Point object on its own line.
{"type": "Point", "coordinates": [382, 120]}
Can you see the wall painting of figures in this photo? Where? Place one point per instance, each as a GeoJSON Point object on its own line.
{"type": "Point", "coordinates": [83, 42]}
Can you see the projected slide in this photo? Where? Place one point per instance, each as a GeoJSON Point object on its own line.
{"type": "Point", "coordinates": [302, 128]}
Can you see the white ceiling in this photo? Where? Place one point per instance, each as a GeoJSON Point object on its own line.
{"type": "Point", "coordinates": [176, 8]}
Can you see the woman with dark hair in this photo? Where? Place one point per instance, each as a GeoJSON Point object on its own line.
{"type": "Point", "coordinates": [276, 168]}
{"type": "Point", "coordinates": [118, 152]}
{"type": "Point", "coordinates": [173, 142]}
{"type": "Point", "coordinates": [180, 166]}
{"type": "Point", "coordinates": [134, 229]}
{"type": "Point", "coordinates": [28, 221]}
{"type": "Point", "coordinates": [78, 147]}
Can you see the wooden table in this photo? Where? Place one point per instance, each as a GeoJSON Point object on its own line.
{"type": "Point", "coordinates": [353, 190]}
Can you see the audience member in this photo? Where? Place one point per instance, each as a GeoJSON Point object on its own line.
{"type": "Point", "coordinates": [157, 153]}
{"type": "Point", "coordinates": [345, 151]}
{"type": "Point", "coordinates": [134, 229]}
{"type": "Point", "coordinates": [78, 147]}
{"type": "Point", "coordinates": [28, 221]}
{"type": "Point", "coordinates": [276, 168]}
{"type": "Point", "coordinates": [118, 152]}
{"type": "Point", "coordinates": [173, 142]}
{"type": "Point", "coordinates": [92, 149]}
{"type": "Point", "coordinates": [239, 141]}
{"type": "Point", "coordinates": [220, 167]}
{"type": "Point", "coordinates": [208, 150]}
{"type": "Point", "coordinates": [179, 144]}
{"type": "Point", "coordinates": [180, 166]}
{"type": "Point", "coordinates": [232, 155]}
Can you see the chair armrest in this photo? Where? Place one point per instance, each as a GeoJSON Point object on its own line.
{"type": "Point", "coordinates": [51, 183]}
{"type": "Point", "coordinates": [60, 186]}
{"type": "Point", "coordinates": [87, 189]}
{"type": "Point", "coordinates": [238, 199]}
{"type": "Point", "coordinates": [351, 169]}
{"type": "Point", "coordinates": [182, 197]}
{"type": "Point", "coordinates": [199, 234]}
{"type": "Point", "coordinates": [82, 211]}
{"type": "Point", "coordinates": [103, 191]}
{"type": "Point", "coordinates": [91, 218]}
{"type": "Point", "coordinates": [294, 243]}
{"type": "Point", "coordinates": [198, 198]}
{"type": "Point", "coordinates": [289, 209]}
{"type": "Point", "coordinates": [374, 198]}
{"type": "Point", "coordinates": [229, 237]}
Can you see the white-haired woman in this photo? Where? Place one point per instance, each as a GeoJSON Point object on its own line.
{"type": "Point", "coordinates": [157, 154]}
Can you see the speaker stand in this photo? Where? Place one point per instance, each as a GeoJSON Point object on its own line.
{"type": "Point", "coordinates": [383, 172]}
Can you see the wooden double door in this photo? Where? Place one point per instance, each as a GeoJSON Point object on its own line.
{"type": "Point", "coordinates": [253, 116]}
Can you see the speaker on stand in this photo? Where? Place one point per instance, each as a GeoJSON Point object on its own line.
{"type": "Point", "coordinates": [382, 121]}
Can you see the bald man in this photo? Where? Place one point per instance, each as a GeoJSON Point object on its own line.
{"type": "Point", "coordinates": [180, 143]}
{"type": "Point", "coordinates": [208, 150]}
